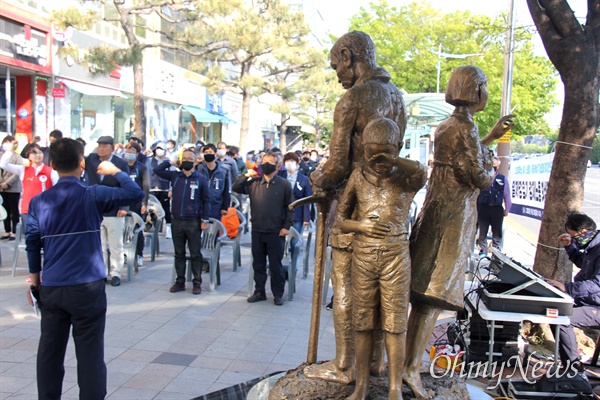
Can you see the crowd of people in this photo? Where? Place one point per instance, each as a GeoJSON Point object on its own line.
{"type": "Point", "coordinates": [192, 183]}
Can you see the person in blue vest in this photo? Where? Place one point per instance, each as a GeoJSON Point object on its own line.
{"type": "Point", "coordinates": [301, 188]}
{"type": "Point", "coordinates": [491, 212]}
{"type": "Point", "coordinates": [189, 212]}
{"type": "Point", "coordinates": [218, 182]}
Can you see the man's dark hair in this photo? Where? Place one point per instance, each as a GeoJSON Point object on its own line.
{"type": "Point", "coordinates": [577, 221]}
{"type": "Point", "coordinates": [8, 138]}
{"type": "Point", "coordinates": [209, 146]}
{"type": "Point", "coordinates": [172, 141]}
{"type": "Point", "coordinates": [66, 154]}
{"type": "Point", "coordinates": [291, 156]}
{"type": "Point", "coordinates": [314, 151]}
{"type": "Point", "coordinates": [136, 146]}
{"type": "Point", "coordinates": [80, 140]}
{"type": "Point", "coordinates": [275, 150]}
{"type": "Point", "coordinates": [306, 152]}
{"type": "Point", "coordinates": [30, 147]}
{"type": "Point", "coordinates": [270, 154]}
{"type": "Point", "coordinates": [56, 134]}
{"type": "Point", "coordinates": [234, 150]}
{"type": "Point", "coordinates": [137, 140]}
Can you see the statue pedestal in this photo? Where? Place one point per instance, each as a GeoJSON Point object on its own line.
{"type": "Point", "coordinates": [293, 385]}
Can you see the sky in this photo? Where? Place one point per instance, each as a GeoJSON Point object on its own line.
{"type": "Point", "coordinates": [336, 15]}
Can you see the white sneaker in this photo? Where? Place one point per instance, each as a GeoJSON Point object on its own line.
{"type": "Point", "coordinates": [140, 261]}
{"type": "Point", "coordinates": [168, 233]}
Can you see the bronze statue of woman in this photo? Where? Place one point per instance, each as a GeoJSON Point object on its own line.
{"type": "Point", "coordinates": [441, 238]}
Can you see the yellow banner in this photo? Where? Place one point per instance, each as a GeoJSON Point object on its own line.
{"type": "Point", "coordinates": [506, 137]}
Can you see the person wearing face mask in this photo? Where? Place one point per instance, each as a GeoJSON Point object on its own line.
{"type": "Point", "coordinates": [490, 211]}
{"type": "Point", "coordinates": [582, 244]}
{"type": "Point", "coordinates": [172, 152]}
{"type": "Point", "coordinates": [218, 182]}
{"type": "Point", "coordinates": [226, 161]}
{"type": "Point", "coordinates": [189, 216]}
{"type": "Point", "coordinates": [113, 223]}
{"type": "Point", "coordinates": [270, 195]}
{"type": "Point", "coordinates": [35, 176]}
{"type": "Point", "coordinates": [11, 187]}
{"type": "Point", "coordinates": [159, 187]}
{"type": "Point", "coordinates": [300, 187]}
{"type": "Point", "coordinates": [138, 172]}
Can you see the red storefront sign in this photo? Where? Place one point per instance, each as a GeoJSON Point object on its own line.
{"type": "Point", "coordinates": [58, 93]}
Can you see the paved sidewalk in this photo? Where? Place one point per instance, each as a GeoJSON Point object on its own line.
{"type": "Point", "coordinates": [161, 345]}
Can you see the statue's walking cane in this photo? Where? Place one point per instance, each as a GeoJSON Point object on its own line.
{"type": "Point", "coordinates": [323, 207]}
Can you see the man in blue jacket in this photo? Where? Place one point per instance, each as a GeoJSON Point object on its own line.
{"type": "Point", "coordinates": [582, 243]}
{"type": "Point", "coordinates": [65, 222]}
{"type": "Point", "coordinates": [218, 182]}
{"type": "Point", "coordinates": [189, 210]}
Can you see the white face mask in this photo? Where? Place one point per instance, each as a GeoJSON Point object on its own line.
{"type": "Point", "coordinates": [291, 166]}
{"type": "Point", "coordinates": [160, 152]}
{"type": "Point", "coordinates": [221, 152]}
{"type": "Point", "coordinates": [7, 146]}
{"type": "Point", "coordinates": [313, 157]}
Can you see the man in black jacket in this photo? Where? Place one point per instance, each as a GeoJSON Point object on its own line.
{"type": "Point", "coordinates": [270, 196]}
{"type": "Point", "coordinates": [582, 244]}
{"type": "Point", "coordinates": [113, 223]}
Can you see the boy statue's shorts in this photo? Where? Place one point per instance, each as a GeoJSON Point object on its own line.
{"type": "Point", "coordinates": [381, 285]}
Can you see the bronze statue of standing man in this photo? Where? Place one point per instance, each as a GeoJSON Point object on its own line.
{"type": "Point", "coordinates": [370, 95]}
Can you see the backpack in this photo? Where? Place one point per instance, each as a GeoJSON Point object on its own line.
{"type": "Point", "coordinates": [231, 222]}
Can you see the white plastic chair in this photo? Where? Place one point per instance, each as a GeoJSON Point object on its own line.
{"type": "Point", "coordinates": [155, 206]}
{"type": "Point", "coordinates": [134, 224]}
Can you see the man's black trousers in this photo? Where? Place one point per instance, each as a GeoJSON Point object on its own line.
{"type": "Point", "coordinates": [489, 216]}
{"type": "Point", "coordinates": [268, 245]}
{"type": "Point", "coordinates": [187, 231]}
{"type": "Point", "coordinates": [82, 307]}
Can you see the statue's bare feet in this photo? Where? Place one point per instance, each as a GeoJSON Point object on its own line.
{"type": "Point", "coordinates": [359, 395]}
{"type": "Point", "coordinates": [395, 394]}
{"type": "Point", "coordinates": [413, 380]}
{"type": "Point", "coordinates": [330, 372]}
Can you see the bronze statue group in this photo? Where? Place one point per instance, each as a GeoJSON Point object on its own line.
{"type": "Point", "coordinates": [377, 269]}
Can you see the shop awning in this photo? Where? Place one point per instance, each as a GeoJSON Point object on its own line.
{"type": "Point", "coordinates": [91, 90]}
{"type": "Point", "coordinates": [202, 115]}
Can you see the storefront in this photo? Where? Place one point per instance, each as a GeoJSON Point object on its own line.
{"type": "Point", "coordinates": [88, 106]}
{"type": "Point", "coordinates": [25, 67]}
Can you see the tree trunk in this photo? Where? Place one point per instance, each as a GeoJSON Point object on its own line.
{"type": "Point", "coordinates": [575, 53]}
{"type": "Point", "coordinates": [138, 102]}
{"type": "Point", "coordinates": [282, 131]}
{"type": "Point", "coordinates": [245, 126]}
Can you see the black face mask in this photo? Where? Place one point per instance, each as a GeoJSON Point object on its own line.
{"type": "Point", "coordinates": [268, 169]}
{"type": "Point", "coordinates": [187, 165]}
{"type": "Point", "coordinates": [209, 157]}
{"type": "Point", "coordinates": [306, 159]}
{"type": "Point", "coordinates": [495, 168]}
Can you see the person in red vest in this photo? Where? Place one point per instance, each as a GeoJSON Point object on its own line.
{"type": "Point", "coordinates": [35, 175]}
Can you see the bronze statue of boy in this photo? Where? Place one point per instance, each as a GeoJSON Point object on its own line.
{"type": "Point", "coordinates": [378, 195]}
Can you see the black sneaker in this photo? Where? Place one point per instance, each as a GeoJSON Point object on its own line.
{"type": "Point", "coordinates": [256, 297]}
{"type": "Point", "coordinates": [329, 306]}
{"type": "Point", "coordinates": [177, 287]}
{"type": "Point", "coordinates": [115, 281]}
{"type": "Point", "coordinates": [278, 301]}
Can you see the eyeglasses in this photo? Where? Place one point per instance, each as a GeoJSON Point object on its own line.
{"type": "Point", "coordinates": [37, 153]}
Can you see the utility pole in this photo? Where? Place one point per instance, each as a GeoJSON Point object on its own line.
{"type": "Point", "coordinates": [503, 149]}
